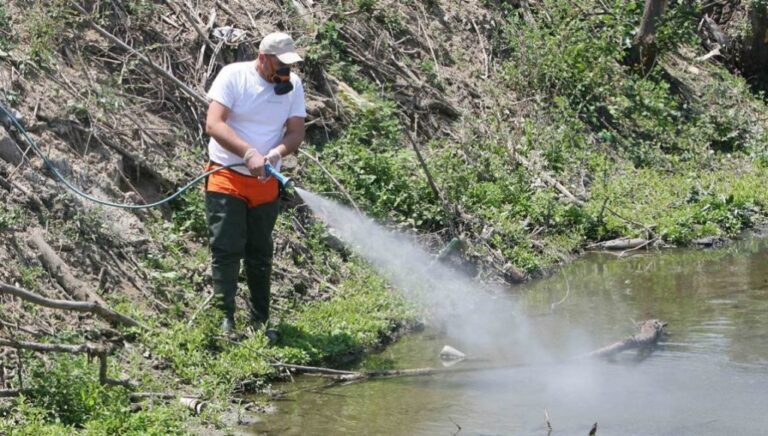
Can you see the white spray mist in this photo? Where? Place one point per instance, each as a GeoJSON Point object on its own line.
{"type": "Point", "coordinates": [483, 319]}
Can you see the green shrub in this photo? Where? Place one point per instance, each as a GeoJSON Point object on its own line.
{"type": "Point", "coordinates": [189, 213]}
{"type": "Point", "coordinates": [68, 389]}
{"type": "Point", "coordinates": [49, 25]}
{"type": "Point", "coordinates": [374, 163]}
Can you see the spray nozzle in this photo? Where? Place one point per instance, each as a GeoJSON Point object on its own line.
{"type": "Point", "coordinates": [284, 181]}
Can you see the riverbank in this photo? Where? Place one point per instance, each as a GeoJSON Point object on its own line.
{"type": "Point", "coordinates": [182, 356]}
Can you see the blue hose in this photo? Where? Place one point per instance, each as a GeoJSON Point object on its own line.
{"type": "Point", "coordinates": [285, 181]}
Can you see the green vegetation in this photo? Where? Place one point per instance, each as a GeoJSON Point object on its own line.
{"type": "Point", "coordinates": [193, 357]}
{"type": "Point", "coordinates": [48, 24]}
{"type": "Point", "coordinates": [668, 153]}
{"type": "Point", "coordinates": [12, 217]}
{"type": "Point", "coordinates": [65, 396]}
{"type": "Point", "coordinates": [673, 154]}
{"type": "Point", "coordinates": [314, 333]}
{"type": "Point", "coordinates": [375, 164]}
{"type": "Point", "coordinates": [5, 29]}
{"type": "Point", "coordinates": [190, 214]}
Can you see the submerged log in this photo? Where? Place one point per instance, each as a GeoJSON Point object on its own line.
{"type": "Point", "coordinates": [352, 376]}
{"type": "Point", "coordinates": [650, 332]}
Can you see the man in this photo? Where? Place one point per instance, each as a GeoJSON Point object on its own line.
{"type": "Point", "coordinates": [256, 116]}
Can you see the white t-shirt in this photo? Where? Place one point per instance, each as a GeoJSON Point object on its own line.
{"type": "Point", "coordinates": [258, 115]}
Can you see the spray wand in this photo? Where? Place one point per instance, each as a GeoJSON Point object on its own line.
{"type": "Point", "coordinates": [285, 182]}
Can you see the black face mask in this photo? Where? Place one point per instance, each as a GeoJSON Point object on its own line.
{"type": "Point", "coordinates": [282, 80]}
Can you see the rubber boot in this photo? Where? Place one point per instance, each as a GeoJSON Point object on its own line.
{"type": "Point", "coordinates": [227, 217]}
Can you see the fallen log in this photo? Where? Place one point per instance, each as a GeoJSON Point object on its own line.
{"type": "Point", "coordinates": [59, 270]}
{"type": "Point", "coordinates": [76, 306]}
{"type": "Point", "coordinates": [194, 404]}
{"type": "Point", "coordinates": [650, 332]}
{"type": "Point", "coordinates": [621, 244]}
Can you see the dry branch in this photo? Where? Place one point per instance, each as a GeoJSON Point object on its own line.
{"type": "Point", "coordinates": [59, 269]}
{"type": "Point", "coordinates": [92, 350]}
{"type": "Point", "coordinates": [333, 179]}
{"type": "Point", "coordinates": [193, 20]}
{"type": "Point", "coordinates": [75, 306]}
{"type": "Point", "coordinates": [89, 349]}
{"type": "Point", "coordinates": [549, 180]}
{"type": "Point", "coordinates": [446, 209]}
{"type": "Point", "coordinates": [313, 369]}
{"type": "Point", "coordinates": [10, 393]}
{"type": "Point", "coordinates": [192, 93]}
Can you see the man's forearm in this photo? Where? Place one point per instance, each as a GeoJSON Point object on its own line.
{"type": "Point", "coordinates": [227, 138]}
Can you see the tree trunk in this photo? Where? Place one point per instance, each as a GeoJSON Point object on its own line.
{"type": "Point", "coordinates": [756, 55]}
{"type": "Point", "coordinates": [644, 48]}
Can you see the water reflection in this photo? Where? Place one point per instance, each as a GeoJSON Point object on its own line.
{"type": "Point", "coordinates": [709, 377]}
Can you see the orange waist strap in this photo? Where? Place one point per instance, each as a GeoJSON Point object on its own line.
{"type": "Point", "coordinates": [248, 188]}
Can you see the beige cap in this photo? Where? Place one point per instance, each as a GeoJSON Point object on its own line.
{"type": "Point", "coordinates": [281, 45]}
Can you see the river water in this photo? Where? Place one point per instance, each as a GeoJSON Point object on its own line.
{"type": "Point", "coordinates": [708, 377]}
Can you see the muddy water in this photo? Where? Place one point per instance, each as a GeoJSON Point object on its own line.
{"type": "Point", "coordinates": [709, 377]}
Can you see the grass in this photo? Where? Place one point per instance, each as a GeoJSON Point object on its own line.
{"type": "Point", "coordinates": [355, 320]}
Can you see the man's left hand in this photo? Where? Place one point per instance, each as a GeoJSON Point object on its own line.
{"type": "Point", "coordinates": [274, 157]}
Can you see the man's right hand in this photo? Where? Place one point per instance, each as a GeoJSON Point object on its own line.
{"type": "Point", "coordinates": [254, 161]}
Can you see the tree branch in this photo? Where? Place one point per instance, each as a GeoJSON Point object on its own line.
{"type": "Point", "coordinates": [75, 306]}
